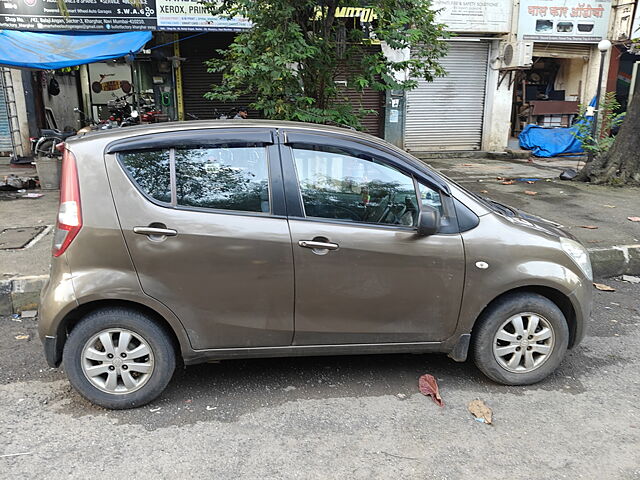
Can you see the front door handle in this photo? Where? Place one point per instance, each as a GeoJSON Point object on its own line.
{"type": "Point", "coordinates": [318, 245]}
{"type": "Point", "coordinates": [154, 231]}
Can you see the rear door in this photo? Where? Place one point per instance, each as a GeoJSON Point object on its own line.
{"type": "Point", "coordinates": [363, 275]}
{"type": "Point", "coordinates": [202, 213]}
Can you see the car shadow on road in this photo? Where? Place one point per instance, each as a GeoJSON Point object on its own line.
{"type": "Point", "coordinates": [228, 390]}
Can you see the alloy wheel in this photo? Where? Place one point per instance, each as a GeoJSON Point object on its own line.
{"type": "Point", "coordinates": [117, 361]}
{"type": "Point", "coordinates": [524, 342]}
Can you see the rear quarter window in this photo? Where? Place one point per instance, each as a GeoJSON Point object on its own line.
{"type": "Point", "coordinates": [150, 171]}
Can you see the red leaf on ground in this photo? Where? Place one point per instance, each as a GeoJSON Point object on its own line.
{"type": "Point", "coordinates": [508, 182]}
{"type": "Point", "coordinates": [529, 192]}
{"type": "Point", "coordinates": [428, 386]}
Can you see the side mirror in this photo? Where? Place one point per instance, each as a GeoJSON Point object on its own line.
{"type": "Point", "coordinates": [428, 221]}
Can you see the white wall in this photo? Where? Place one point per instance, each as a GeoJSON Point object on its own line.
{"type": "Point", "coordinates": [497, 123]}
{"type": "Point", "coordinates": [63, 103]}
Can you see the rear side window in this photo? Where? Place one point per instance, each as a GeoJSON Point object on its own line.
{"type": "Point", "coordinates": [225, 177]}
{"type": "Point", "coordinates": [233, 178]}
{"type": "Point", "coordinates": [150, 170]}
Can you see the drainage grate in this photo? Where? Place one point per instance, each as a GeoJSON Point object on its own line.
{"type": "Point", "coordinates": [19, 237]}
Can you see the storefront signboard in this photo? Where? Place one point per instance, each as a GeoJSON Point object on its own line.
{"type": "Point", "coordinates": [109, 80]}
{"type": "Point", "coordinates": [474, 16]}
{"type": "Point", "coordinates": [191, 15]}
{"type": "Point", "coordinates": [113, 15]}
{"type": "Point", "coordinates": [569, 21]}
{"type": "Point", "coordinates": [47, 15]}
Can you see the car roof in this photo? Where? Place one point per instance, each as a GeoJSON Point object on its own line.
{"type": "Point", "coordinates": [116, 133]}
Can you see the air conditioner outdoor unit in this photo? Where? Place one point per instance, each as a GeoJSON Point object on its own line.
{"type": "Point", "coordinates": [516, 55]}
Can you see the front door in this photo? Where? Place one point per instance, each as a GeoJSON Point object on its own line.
{"type": "Point", "coordinates": [202, 224]}
{"type": "Point", "coordinates": [363, 275]}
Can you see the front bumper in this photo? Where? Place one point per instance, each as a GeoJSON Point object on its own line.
{"type": "Point", "coordinates": [582, 301]}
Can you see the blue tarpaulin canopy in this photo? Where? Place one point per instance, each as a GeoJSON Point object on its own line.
{"type": "Point", "coordinates": [50, 51]}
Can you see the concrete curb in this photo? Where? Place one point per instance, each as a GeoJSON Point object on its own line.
{"type": "Point", "coordinates": [616, 260]}
{"type": "Point", "coordinates": [23, 293]}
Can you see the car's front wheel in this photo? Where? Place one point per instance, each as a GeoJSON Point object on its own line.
{"type": "Point", "coordinates": [520, 339]}
{"type": "Point", "coordinates": [119, 358]}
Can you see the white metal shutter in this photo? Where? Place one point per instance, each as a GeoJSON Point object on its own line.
{"type": "Point", "coordinates": [5, 131]}
{"type": "Point", "coordinates": [447, 114]}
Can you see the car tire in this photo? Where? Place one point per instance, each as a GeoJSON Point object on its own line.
{"type": "Point", "coordinates": [504, 348]}
{"type": "Point", "coordinates": [143, 366]}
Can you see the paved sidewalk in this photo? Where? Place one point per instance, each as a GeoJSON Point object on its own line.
{"type": "Point", "coordinates": [615, 243]}
{"type": "Point", "coordinates": [23, 271]}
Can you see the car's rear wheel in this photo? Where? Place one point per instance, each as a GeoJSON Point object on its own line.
{"type": "Point", "coordinates": [520, 339]}
{"type": "Point", "coordinates": [119, 358]}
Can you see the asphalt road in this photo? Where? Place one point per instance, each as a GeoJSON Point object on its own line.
{"type": "Point", "coordinates": [347, 418]}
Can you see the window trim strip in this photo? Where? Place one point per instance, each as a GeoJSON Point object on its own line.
{"type": "Point", "coordinates": [172, 177]}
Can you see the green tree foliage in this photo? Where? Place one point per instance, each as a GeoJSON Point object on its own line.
{"type": "Point", "coordinates": [296, 50]}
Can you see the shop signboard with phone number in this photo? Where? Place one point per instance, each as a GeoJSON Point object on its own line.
{"type": "Point", "coordinates": [569, 21]}
{"type": "Point", "coordinates": [113, 15]}
{"type": "Point", "coordinates": [87, 15]}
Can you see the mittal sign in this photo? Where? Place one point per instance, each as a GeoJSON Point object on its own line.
{"type": "Point", "coordinates": [365, 15]}
{"type": "Point", "coordinates": [571, 21]}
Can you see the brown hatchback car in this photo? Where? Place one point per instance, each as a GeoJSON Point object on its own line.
{"type": "Point", "coordinates": [228, 239]}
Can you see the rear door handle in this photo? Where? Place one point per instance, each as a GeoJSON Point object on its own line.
{"type": "Point", "coordinates": [318, 245]}
{"type": "Point", "coordinates": [153, 231]}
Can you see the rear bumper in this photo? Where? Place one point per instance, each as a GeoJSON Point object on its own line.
{"type": "Point", "coordinates": [52, 351]}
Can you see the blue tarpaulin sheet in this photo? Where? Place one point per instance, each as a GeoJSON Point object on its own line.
{"type": "Point", "coordinates": [50, 51]}
{"type": "Point", "coordinates": [549, 142]}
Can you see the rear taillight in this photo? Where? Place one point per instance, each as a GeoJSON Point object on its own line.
{"type": "Point", "coordinates": [69, 213]}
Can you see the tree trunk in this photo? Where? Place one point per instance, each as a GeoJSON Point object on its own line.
{"type": "Point", "coordinates": [621, 164]}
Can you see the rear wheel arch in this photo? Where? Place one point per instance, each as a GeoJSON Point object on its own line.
{"type": "Point", "coordinates": [75, 316]}
{"type": "Point", "coordinates": [552, 294]}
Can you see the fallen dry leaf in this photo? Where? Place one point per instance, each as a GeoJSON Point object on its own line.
{"type": "Point", "coordinates": [529, 192]}
{"type": "Point", "coordinates": [484, 191]}
{"type": "Point", "coordinates": [508, 182]}
{"type": "Point", "coordinates": [468, 165]}
{"type": "Point", "coordinates": [428, 386]}
{"type": "Point", "coordinates": [609, 206]}
{"type": "Point", "coordinates": [603, 287]}
{"type": "Point", "coordinates": [481, 411]}
{"type": "Point", "coordinates": [588, 227]}
{"type": "Point", "coordinates": [22, 337]}
{"type": "Point", "coordinates": [634, 219]}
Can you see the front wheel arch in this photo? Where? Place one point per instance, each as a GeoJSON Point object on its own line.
{"type": "Point", "coordinates": [556, 296]}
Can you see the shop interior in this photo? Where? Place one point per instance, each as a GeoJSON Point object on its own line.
{"type": "Point", "coordinates": [547, 94]}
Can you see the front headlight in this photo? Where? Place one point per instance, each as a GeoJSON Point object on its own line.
{"type": "Point", "coordinates": [578, 254]}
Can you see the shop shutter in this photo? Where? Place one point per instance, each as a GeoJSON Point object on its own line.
{"type": "Point", "coordinates": [368, 99]}
{"type": "Point", "coordinates": [447, 114]}
{"type": "Point", "coordinates": [561, 50]}
{"type": "Point", "coordinates": [5, 131]}
{"type": "Point", "coordinates": [196, 81]}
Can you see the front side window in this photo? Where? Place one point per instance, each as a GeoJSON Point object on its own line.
{"type": "Point", "coordinates": [150, 171]}
{"type": "Point", "coordinates": [340, 185]}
